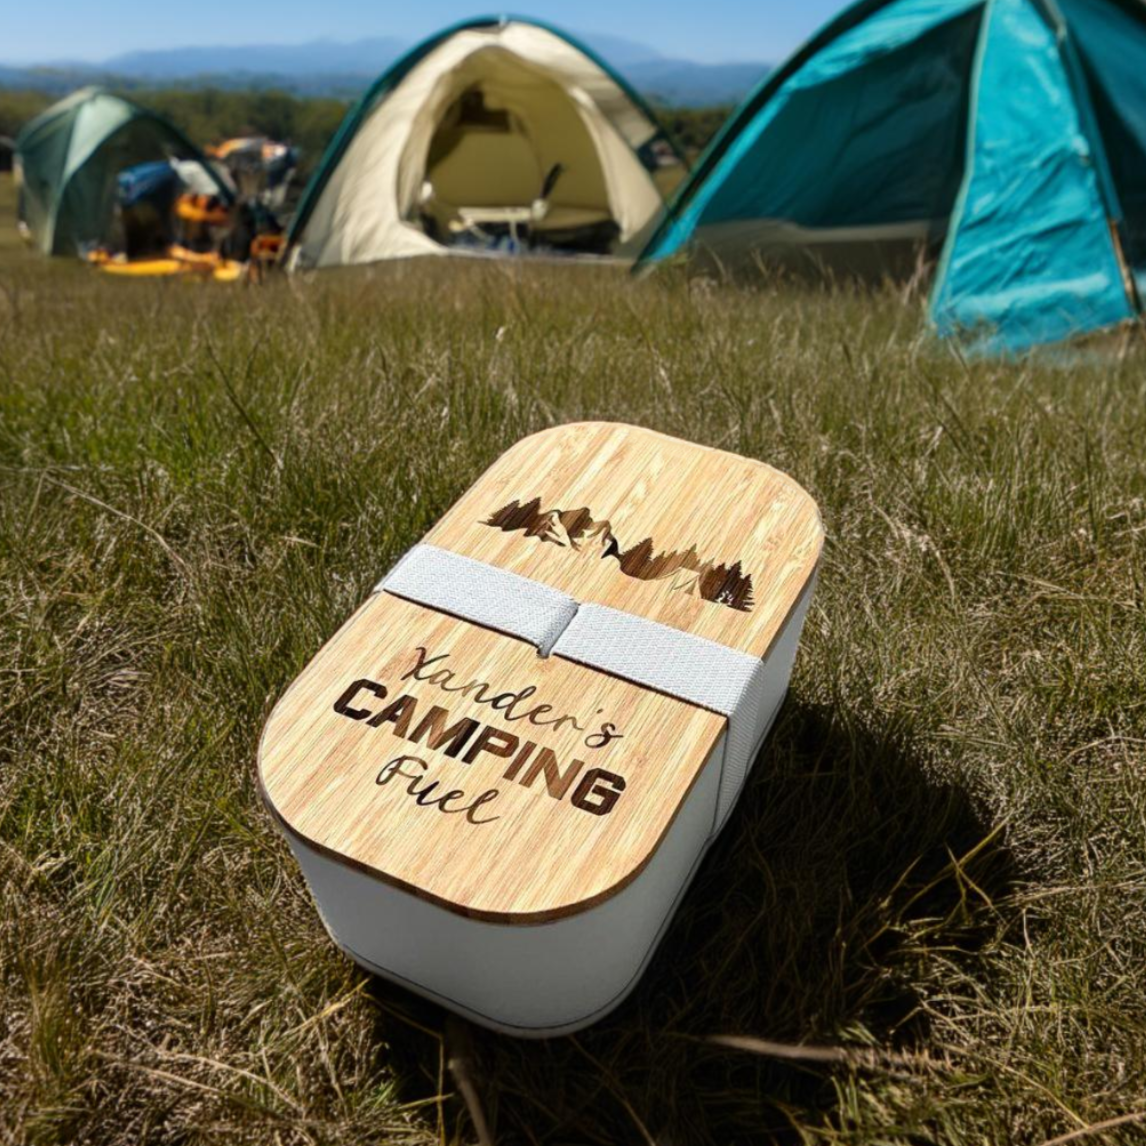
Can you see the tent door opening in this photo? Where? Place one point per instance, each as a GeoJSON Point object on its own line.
{"type": "Point", "coordinates": [508, 164]}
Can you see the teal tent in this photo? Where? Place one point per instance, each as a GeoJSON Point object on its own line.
{"type": "Point", "coordinates": [71, 155]}
{"type": "Point", "coordinates": [1006, 138]}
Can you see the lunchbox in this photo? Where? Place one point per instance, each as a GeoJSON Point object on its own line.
{"type": "Point", "coordinates": [500, 775]}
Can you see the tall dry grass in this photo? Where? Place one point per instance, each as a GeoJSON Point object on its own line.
{"type": "Point", "coordinates": [927, 919]}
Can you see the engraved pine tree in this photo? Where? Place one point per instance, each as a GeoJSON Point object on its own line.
{"type": "Point", "coordinates": [636, 561]}
{"type": "Point", "coordinates": [735, 590]}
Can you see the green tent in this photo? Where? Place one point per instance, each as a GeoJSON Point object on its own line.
{"type": "Point", "coordinates": [1006, 138]}
{"type": "Point", "coordinates": [70, 157]}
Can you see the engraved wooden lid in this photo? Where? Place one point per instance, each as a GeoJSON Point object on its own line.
{"type": "Point", "coordinates": [456, 763]}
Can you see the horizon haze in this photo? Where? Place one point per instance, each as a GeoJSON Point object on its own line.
{"type": "Point", "coordinates": [721, 32]}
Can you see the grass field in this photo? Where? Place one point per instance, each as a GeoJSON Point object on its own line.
{"type": "Point", "coordinates": [926, 922]}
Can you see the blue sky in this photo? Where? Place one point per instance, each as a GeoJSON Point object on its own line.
{"type": "Point", "coordinates": [708, 30]}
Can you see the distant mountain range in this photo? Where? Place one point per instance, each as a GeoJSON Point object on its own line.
{"type": "Point", "coordinates": [336, 68]}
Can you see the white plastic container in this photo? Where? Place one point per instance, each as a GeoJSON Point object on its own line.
{"type": "Point", "coordinates": [501, 774]}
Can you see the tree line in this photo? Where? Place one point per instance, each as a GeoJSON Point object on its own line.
{"type": "Point", "coordinates": [210, 115]}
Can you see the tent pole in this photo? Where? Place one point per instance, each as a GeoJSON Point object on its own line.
{"type": "Point", "coordinates": [1076, 77]}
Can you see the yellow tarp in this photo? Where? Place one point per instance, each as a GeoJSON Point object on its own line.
{"type": "Point", "coordinates": [177, 261]}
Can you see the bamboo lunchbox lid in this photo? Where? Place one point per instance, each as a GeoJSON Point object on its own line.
{"type": "Point", "coordinates": [451, 760]}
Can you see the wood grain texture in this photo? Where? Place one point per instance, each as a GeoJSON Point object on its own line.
{"type": "Point", "coordinates": [679, 495]}
{"type": "Point", "coordinates": [563, 779]}
{"type": "Point", "coordinates": [543, 857]}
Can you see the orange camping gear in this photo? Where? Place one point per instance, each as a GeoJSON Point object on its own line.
{"type": "Point", "coordinates": [267, 248]}
{"type": "Point", "coordinates": [208, 209]}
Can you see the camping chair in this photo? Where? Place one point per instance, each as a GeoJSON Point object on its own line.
{"type": "Point", "coordinates": [477, 220]}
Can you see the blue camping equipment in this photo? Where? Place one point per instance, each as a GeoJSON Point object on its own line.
{"type": "Point", "coordinates": [1006, 138]}
{"type": "Point", "coordinates": [145, 197]}
{"type": "Point", "coordinates": [148, 182]}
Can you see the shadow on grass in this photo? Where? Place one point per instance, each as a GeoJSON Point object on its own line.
{"type": "Point", "coordinates": [809, 922]}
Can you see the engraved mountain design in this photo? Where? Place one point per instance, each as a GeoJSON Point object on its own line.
{"type": "Point", "coordinates": [576, 529]}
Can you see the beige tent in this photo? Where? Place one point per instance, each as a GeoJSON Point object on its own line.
{"type": "Point", "coordinates": [494, 137]}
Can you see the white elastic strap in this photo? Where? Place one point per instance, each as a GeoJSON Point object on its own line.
{"type": "Point", "coordinates": [678, 664]}
{"type": "Point", "coordinates": [491, 597]}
